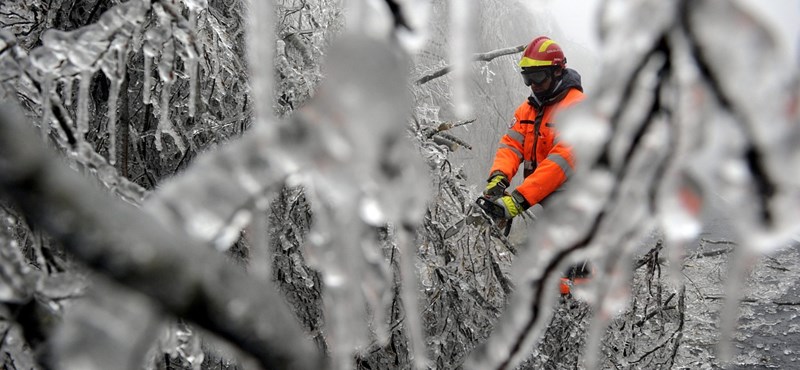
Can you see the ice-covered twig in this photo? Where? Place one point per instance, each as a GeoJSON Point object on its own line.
{"type": "Point", "coordinates": [482, 57]}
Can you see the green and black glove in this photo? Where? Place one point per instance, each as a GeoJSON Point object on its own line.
{"type": "Point", "coordinates": [496, 187]}
{"type": "Point", "coordinates": [509, 205]}
{"type": "Point", "coordinates": [512, 205]}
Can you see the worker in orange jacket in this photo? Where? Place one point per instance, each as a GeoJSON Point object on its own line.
{"type": "Point", "coordinates": [532, 138]}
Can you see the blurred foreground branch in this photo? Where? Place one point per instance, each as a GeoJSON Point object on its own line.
{"type": "Point", "coordinates": [124, 243]}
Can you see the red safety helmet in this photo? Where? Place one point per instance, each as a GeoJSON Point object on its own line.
{"type": "Point", "coordinates": [543, 52]}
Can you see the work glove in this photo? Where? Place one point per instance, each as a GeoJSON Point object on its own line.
{"type": "Point", "coordinates": [496, 187]}
{"type": "Point", "coordinates": [510, 206]}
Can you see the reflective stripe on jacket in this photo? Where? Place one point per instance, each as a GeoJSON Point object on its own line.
{"type": "Point", "coordinates": [553, 162]}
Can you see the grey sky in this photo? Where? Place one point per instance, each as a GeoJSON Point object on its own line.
{"type": "Point", "coordinates": [577, 20]}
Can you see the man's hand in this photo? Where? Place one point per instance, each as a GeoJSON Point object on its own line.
{"type": "Point", "coordinates": [496, 187]}
{"type": "Point", "coordinates": [510, 206]}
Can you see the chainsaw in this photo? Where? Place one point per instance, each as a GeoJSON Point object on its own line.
{"type": "Point", "coordinates": [483, 211]}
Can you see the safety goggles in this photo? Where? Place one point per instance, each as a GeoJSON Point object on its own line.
{"type": "Point", "coordinates": [536, 76]}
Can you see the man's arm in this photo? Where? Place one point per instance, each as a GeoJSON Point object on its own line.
{"type": "Point", "coordinates": [549, 175]}
{"type": "Point", "coordinates": [509, 153]}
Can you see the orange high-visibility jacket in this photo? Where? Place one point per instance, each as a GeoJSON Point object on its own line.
{"type": "Point", "coordinates": [553, 162]}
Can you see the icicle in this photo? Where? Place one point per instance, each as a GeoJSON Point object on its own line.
{"type": "Point", "coordinates": [112, 119]}
{"type": "Point", "coordinates": [116, 81]}
{"type": "Point", "coordinates": [460, 57]}
{"type": "Point", "coordinates": [261, 49]}
{"type": "Point", "coordinates": [166, 63]}
{"type": "Point", "coordinates": [260, 261]}
{"type": "Point", "coordinates": [166, 73]}
{"type": "Point", "coordinates": [148, 76]}
{"type": "Point", "coordinates": [37, 251]}
{"type": "Point", "coordinates": [82, 125]}
{"type": "Point", "coordinates": [231, 229]}
{"type": "Point", "coordinates": [67, 92]}
{"type": "Point", "coordinates": [613, 296]}
{"type": "Point", "coordinates": [740, 267]}
{"type": "Point", "coordinates": [164, 124]}
{"type": "Point", "coordinates": [417, 13]}
{"type": "Point", "coordinates": [189, 346]}
{"type": "Point", "coordinates": [191, 65]}
{"type": "Point", "coordinates": [47, 92]}
{"type": "Point", "coordinates": [410, 286]}
{"type": "Point", "coordinates": [152, 38]}
{"type": "Point", "coordinates": [191, 69]}
{"type": "Point", "coordinates": [164, 117]}
{"type": "Point", "coordinates": [338, 256]}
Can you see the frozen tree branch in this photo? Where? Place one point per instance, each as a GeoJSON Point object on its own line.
{"type": "Point", "coordinates": [129, 246]}
{"type": "Point", "coordinates": [482, 57]}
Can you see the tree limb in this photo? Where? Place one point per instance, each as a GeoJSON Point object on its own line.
{"type": "Point", "coordinates": [482, 57]}
{"type": "Point", "coordinates": [124, 243]}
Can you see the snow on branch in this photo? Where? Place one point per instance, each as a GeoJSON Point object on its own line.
{"type": "Point", "coordinates": [482, 57]}
{"type": "Point", "coordinates": [122, 242]}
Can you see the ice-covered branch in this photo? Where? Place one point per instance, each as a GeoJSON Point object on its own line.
{"type": "Point", "coordinates": [53, 109]}
{"type": "Point", "coordinates": [214, 209]}
{"type": "Point", "coordinates": [668, 116]}
{"type": "Point", "coordinates": [134, 249]}
{"type": "Point", "coordinates": [482, 57]}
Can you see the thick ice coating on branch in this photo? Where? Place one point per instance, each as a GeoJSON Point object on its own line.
{"type": "Point", "coordinates": [365, 173]}
{"type": "Point", "coordinates": [349, 147]}
{"type": "Point", "coordinates": [144, 254]}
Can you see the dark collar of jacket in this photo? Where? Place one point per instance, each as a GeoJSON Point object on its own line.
{"type": "Point", "coordinates": [571, 79]}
